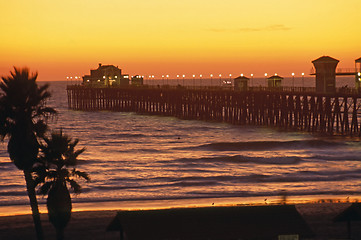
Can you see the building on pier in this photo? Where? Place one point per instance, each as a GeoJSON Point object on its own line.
{"type": "Point", "coordinates": [358, 73]}
{"type": "Point", "coordinates": [241, 83]}
{"type": "Point", "coordinates": [137, 80]}
{"type": "Point", "coordinates": [325, 67]}
{"type": "Point", "coordinates": [106, 75]}
{"type": "Point", "coordinates": [274, 81]}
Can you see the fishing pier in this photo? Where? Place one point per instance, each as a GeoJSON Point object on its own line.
{"type": "Point", "coordinates": [324, 109]}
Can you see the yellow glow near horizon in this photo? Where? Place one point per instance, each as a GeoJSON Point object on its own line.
{"type": "Point", "coordinates": [155, 37]}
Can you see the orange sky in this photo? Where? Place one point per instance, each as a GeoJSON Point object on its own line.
{"type": "Point", "coordinates": [69, 37]}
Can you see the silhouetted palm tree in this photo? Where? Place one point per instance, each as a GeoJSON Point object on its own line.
{"type": "Point", "coordinates": [23, 119]}
{"type": "Point", "coordinates": [58, 154]}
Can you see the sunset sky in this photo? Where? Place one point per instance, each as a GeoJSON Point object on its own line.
{"type": "Point", "coordinates": [69, 37]}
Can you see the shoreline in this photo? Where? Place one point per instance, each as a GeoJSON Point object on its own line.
{"type": "Point", "coordinates": [14, 210]}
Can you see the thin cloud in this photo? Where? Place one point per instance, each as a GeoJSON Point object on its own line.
{"type": "Point", "coordinates": [276, 27]}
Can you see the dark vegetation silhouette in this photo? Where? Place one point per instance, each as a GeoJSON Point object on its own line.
{"type": "Point", "coordinates": [23, 121]}
{"type": "Point", "coordinates": [55, 172]}
{"type": "Point", "coordinates": [46, 161]}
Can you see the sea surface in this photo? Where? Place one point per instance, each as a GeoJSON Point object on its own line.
{"type": "Point", "coordinates": [142, 159]}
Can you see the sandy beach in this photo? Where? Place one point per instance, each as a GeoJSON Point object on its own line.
{"type": "Point", "coordinates": [93, 224]}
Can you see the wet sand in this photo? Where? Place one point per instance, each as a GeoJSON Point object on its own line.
{"type": "Point", "coordinates": [93, 224]}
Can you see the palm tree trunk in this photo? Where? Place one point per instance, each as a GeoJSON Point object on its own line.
{"type": "Point", "coordinates": [59, 234]}
{"type": "Point", "coordinates": [34, 204]}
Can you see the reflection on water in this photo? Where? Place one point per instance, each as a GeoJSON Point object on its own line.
{"type": "Point", "coordinates": [137, 157]}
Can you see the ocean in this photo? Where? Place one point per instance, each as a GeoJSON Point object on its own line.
{"type": "Point", "coordinates": [140, 161]}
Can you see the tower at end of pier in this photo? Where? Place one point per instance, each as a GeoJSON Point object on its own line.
{"type": "Point", "coordinates": [325, 74]}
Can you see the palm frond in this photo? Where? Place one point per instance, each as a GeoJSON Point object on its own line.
{"type": "Point", "coordinates": [52, 174]}
{"type": "Point", "coordinates": [44, 189]}
{"type": "Point", "coordinates": [81, 174]}
{"type": "Point", "coordinates": [71, 157]}
{"type": "Point", "coordinates": [75, 186]}
{"type": "Point", "coordinates": [40, 174]}
{"type": "Point", "coordinates": [40, 128]}
{"type": "Point", "coordinates": [58, 153]}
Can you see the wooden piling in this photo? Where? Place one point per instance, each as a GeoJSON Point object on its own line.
{"type": "Point", "coordinates": [331, 114]}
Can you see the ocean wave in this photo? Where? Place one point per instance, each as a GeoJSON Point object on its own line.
{"type": "Point", "coordinates": [125, 135]}
{"type": "Point", "coordinates": [13, 193]}
{"type": "Point", "coordinates": [6, 164]}
{"type": "Point", "coordinates": [303, 179]}
{"type": "Point", "coordinates": [339, 157]}
{"type": "Point", "coordinates": [163, 183]}
{"type": "Point", "coordinates": [266, 145]}
{"type": "Point", "coordinates": [289, 160]}
{"type": "Point", "coordinates": [199, 194]}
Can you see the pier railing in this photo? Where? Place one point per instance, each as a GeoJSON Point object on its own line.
{"type": "Point", "coordinates": [341, 90]}
{"type": "Point", "coordinates": [302, 109]}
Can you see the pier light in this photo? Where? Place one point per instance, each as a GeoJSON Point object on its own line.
{"type": "Point", "coordinates": [220, 75]}
{"type": "Point", "coordinates": [230, 75]}
{"type": "Point", "coordinates": [251, 74]}
{"type": "Point", "coordinates": [194, 75]}
{"type": "Point", "coordinates": [177, 76]}
{"type": "Point", "coordinates": [359, 74]}
{"type": "Point", "coordinates": [162, 76]}
{"type": "Point", "coordinates": [303, 74]}
{"type": "Point", "coordinates": [71, 77]}
{"type": "Point", "coordinates": [200, 75]}
{"type": "Point", "coordinates": [276, 74]}
{"type": "Point", "coordinates": [98, 80]}
{"type": "Point", "coordinates": [265, 77]}
{"type": "Point", "coordinates": [116, 76]}
{"type": "Point", "coordinates": [211, 75]}
{"type": "Point", "coordinates": [88, 80]}
{"type": "Point", "coordinates": [184, 75]}
{"type": "Point", "coordinates": [241, 74]}
{"type": "Point", "coordinates": [104, 77]}
{"type": "Point", "coordinates": [67, 77]}
{"type": "Point", "coordinates": [167, 75]}
{"type": "Point", "coordinates": [293, 74]}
